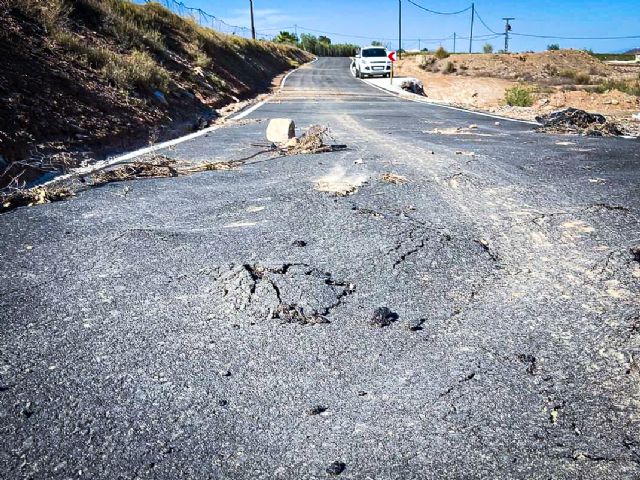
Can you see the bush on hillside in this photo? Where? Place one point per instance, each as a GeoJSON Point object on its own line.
{"type": "Point", "coordinates": [518, 96]}
{"type": "Point", "coordinates": [441, 53]}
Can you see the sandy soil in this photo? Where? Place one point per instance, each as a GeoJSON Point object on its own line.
{"type": "Point", "coordinates": [480, 82]}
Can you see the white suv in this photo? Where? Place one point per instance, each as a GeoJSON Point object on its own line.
{"type": "Point", "coordinates": [372, 61]}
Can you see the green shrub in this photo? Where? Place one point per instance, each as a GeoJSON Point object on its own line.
{"type": "Point", "coordinates": [553, 46]}
{"type": "Point", "coordinates": [487, 48]}
{"type": "Point", "coordinates": [632, 87]}
{"type": "Point", "coordinates": [450, 68]}
{"type": "Point", "coordinates": [518, 97]}
{"type": "Point", "coordinates": [441, 53]}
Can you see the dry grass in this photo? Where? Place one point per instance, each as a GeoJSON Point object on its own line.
{"type": "Point", "coordinates": [139, 30]}
{"type": "Point", "coordinates": [33, 196]}
{"type": "Point", "coordinates": [579, 78]}
{"type": "Point", "coordinates": [50, 13]}
{"type": "Point", "coordinates": [137, 69]}
{"type": "Point", "coordinates": [632, 87]}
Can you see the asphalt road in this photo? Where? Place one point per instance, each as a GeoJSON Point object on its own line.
{"type": "Point", "coordinates": [136, 332]}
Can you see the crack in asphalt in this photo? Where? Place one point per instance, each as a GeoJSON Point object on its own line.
{"type": "Point", "coordinates": [260, 273]}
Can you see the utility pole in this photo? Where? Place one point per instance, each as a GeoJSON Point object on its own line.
{"type": "Point", "coordinates": [253, 26]}
{"type": "Point", "coordinates": [507, 29]}
{"type": "Point", "coordinates": [399, 29]}
{"type": "Point", "coordinates": [454, 42]}
{"type": "Point", "coordinates": [473, 15]}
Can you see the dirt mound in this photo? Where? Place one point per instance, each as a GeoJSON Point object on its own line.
{"type": "Point", "coordinates": [557, 66]}
{"type": "Point", "coordinates": [573, 120]}
{"type": "Point", "coordinates": [85, 77]}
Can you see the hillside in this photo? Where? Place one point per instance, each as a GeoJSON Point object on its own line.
{"type": "Point", "coordinates": [79, 78]}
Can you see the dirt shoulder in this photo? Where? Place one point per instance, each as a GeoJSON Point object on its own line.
{"type": "Point", "coordinates": [480, 81]}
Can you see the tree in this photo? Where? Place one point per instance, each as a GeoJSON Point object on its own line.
{"type": "Point", "coordinates": [488, 48]}
{"type": "Point", "coordinates": [553, 46]}
{"type": "Point", "coordinates": [286, 37]}
{"type": "Point", "coordinates": [319, 46]}
{"type": "Point", "coordinates": [377, 43]}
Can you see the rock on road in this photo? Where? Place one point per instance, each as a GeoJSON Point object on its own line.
{"type": "Point", "coordinates": [137, 332]}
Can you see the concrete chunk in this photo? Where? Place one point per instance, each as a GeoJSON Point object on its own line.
{"type": "Point", "coordinates": [281, 130]}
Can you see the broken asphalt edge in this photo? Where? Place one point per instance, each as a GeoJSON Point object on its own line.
{"type": "Point", "coordinates": [412, 97]}
{"type": "Point", "coordinates": [112, 161]}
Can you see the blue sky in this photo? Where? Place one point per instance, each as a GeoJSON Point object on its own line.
{"type": "Point", "coordinates": [379, 20]}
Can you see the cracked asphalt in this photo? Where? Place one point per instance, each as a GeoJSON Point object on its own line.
{"type": "Point", "coordinates": [220, 325]}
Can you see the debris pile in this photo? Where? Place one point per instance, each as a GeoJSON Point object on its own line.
{"type": "Point", "coordinates": [291, 313]}
{"type": "Point", "coordinates": [383, 317]}
{"type": "Point", "coordinates": [162, 168]}
{"type": "Point", "coordinates": [393, 178]}
{"type": "Point", "coordinates": [573, 120]}
{"type": "Point", "coordinates": [159, 168]}
{"type": "Point", "coordinates": [312, 141]}
{"type": "Point", "coordinates": [32, 196]}
{"type": "Point", "coordinates": [413, 85]}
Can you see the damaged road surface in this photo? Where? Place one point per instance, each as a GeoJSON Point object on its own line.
{"type": "Point", "coordinates": [389, 310]}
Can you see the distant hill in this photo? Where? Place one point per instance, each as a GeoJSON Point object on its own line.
{"type": "Point", "coordinates": [633, 51]}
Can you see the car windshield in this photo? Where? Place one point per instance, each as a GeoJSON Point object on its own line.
{"type": "Point", "coordinates": [374, 52]}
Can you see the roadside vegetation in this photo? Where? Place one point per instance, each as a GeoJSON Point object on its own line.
{"type": "Point", "coordinates": [84, 74]}
{"type": "Point", "coordinates": [518, 96]}
{"type": "Point", "coordinates": [142, 35]}
{"type": "Point", "coordinates": [321, 46]}
{"type": "Point", "coordinates": [441, 53]}
{"type": "Point", "coordinates": [632, 87]}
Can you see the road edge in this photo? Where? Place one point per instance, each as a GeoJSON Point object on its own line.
{"type": "Point", "coordinates": [111, 161]}
{"type": "Point", "coordinates": [412, 97]}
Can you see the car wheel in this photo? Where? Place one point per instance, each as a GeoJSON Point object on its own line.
{"type": "Point", "coordinates": [358, 74]}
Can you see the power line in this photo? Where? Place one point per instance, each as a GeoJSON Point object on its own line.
{"type": "Point", "coordinates": [436, 12]}
{"type": "Point", "coordinates": [485, 25]}
{"type": "Point", "coordinates": [575, 38]}
{"type": "Point", "coordinates": [374, 38]}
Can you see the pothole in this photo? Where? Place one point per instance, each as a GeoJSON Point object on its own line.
{"type": "Point", "coordinates": [292, 293]}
